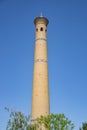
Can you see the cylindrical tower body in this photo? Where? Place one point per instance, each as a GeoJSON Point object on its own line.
{"type": "Point", "coordinates": [40, 91]}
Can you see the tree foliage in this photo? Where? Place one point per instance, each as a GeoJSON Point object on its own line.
{"type": "Point", "coordinates": [56, 122]}
{"type": "Point", "coordinates": [18, 121]}
{"type": "Point", "coordinates": [84, 126]}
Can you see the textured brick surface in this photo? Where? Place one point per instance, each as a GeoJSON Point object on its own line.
{"type": "Point", "coordinates": [40, 91]}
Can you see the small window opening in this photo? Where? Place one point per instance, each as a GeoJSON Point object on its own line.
{"type": "Point", "coordinates": [36, 29]}
{"type": "Point", "coordinates": [41, 29]}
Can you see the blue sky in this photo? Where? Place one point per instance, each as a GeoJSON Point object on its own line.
{"type": "Point", "coordinates": [67, 54]}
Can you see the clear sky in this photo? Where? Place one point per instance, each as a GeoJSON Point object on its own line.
{"type": "Point", "coordinates": [67, 54]}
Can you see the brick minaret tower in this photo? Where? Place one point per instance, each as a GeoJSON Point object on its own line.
{"type": "Point", "coordinates": [40, 92]}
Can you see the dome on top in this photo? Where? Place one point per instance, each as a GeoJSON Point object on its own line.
{"type": "Point", "coordinates": [41, 19]}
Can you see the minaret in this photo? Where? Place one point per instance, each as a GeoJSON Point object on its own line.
{"type": "Point", "coordinates": [40, 91]}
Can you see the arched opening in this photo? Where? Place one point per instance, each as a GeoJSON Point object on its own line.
{"type": "Point", "coordinates": [41, 29]}
{"type": "Point", "coordinates": [36, 29]}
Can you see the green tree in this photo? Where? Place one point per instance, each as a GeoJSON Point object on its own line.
{"type": "Point", "coordinates": [18, 121]}
{"type": "Point", "coordinates": [84, 126]}
{"type": "Point", "coordinates": [56, 122]}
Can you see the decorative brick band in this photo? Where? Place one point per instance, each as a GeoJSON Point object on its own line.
{"type": "Point", "coordinates": [41, 39]}
{"type": "Point", "coordinates": [40, 60]}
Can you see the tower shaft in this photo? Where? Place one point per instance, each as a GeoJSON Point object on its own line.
{"type": "Point", "coordinates": [40, 91]}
